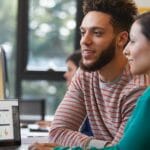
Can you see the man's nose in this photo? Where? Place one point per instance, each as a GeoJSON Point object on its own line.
{"type": "Point", "coordinates": [86, 39]}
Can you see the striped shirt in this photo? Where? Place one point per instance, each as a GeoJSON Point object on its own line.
{"type": "Point", "coordinates": [107, 105]}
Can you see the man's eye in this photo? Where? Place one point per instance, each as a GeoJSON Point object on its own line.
{"type": "Point", "coordinates": [98, 33]}
{"type": "Point", "coordinates": [82, 33]}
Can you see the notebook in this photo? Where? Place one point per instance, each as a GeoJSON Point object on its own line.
{"type": "Point", "coordinates": [9, 123]}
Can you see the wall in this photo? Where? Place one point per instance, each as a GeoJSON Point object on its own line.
{"type": "Point", "coordinates": [144, 5]}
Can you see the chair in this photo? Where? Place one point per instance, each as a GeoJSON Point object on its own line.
{"type": "Point", "coordinates": [32, 110]}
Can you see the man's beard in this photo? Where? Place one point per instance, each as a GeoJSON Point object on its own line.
{"type": "Point", "coordinates": [104, 58]}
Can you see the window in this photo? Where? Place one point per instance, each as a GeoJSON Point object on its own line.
{"type": "Point", "coordinates": [38, 35]}
{"type": "Point", "coordinates": [8, 24]}
{"type": "Point", "coordinates": [46, 35]}
{"type": "Point", "coordinates": [51, 33]}
{"type": "Point", "coordinates": [51, 91]}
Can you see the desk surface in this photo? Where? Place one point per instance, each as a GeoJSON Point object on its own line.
{"type": "Point", "coordinates": [27, 139]}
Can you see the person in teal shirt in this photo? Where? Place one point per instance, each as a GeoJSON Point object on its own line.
{"type": "Point", "coordinates": [137, 132]}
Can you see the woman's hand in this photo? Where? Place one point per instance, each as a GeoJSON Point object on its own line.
{"type": "Point", "coordinates": [42, 146]}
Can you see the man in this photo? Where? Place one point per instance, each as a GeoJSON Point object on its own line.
{"type": "Point", "coordinates": [103, 88]}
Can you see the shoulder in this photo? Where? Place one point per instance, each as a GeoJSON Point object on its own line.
{"type": "Point", "coordinates": [136, 80]}
{"type": "Point", "coordinates": [84, 75]}
{"type": "Point", "coordinates": [134, 83]}
{"type": "Point", "coordinates": [85, 80]}
{"type": "Point", "coordinates": [145, 96]}
{"type": "Point", "coordinates": [143, 102]}
{"type": "Point", "coordinates": [140, 80]}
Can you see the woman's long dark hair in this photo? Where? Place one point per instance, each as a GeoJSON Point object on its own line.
{"type": "Point", "coordinates": [144, 21]}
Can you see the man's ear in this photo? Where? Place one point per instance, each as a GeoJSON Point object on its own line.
{"type": "Point", "coordinates": [122, 39]}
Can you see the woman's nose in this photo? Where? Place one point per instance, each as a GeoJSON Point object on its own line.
{"type": "Point", "coordinates": [126, 50]}
{"type": "Point", "coordinates": [65, 75]}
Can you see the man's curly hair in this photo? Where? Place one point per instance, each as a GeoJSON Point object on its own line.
{"type": "Point", "coordinates": [122, 12]}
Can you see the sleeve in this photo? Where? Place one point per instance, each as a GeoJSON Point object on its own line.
{"type": "Point", "coordinates": [127, 107]}
{"type": "Point", "coordinates": [137, 133]}
{"type": "Point", "coordinates": [68, 118]}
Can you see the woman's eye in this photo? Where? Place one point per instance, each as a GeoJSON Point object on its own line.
{"type": "Point", "coordinates": [132, 41]}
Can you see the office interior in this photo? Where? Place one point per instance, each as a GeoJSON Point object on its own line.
{"type": "Point", "coordinates": [37, 36]}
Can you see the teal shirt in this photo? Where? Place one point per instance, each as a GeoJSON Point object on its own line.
{"type": "Point", "coordinates": [137, 132]}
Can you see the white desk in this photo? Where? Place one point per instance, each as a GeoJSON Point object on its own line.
{"type": "Point", "coordinates": [26, 132]}
{"type": "Point", "coordinates": [27, 138]}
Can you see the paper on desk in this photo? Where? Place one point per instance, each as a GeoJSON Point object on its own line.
{"type": "Point", "coordinates": [31, 140]}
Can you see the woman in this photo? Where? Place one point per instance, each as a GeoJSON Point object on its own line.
{"type": "Point", "coordinates": [137, 131]}
{"type": "Point", "coordinates": [72, 63]}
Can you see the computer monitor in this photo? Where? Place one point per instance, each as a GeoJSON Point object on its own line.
{"type": "Point", "coordinates": [9, 123]}
{"type": "Point", "coordinates": [3, 74]}
{"type": "Point", "coordinates": [31, 110]}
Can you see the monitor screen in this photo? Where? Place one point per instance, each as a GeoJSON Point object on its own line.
{"type": "Point", "coordinates": [9, 123]}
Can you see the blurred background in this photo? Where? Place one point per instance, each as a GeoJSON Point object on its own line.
{"type": "Point", "coordinates": [37, 36]}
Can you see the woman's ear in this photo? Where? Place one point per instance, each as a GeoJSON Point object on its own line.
{"type": "Point", "coordinates": [122, 39]}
